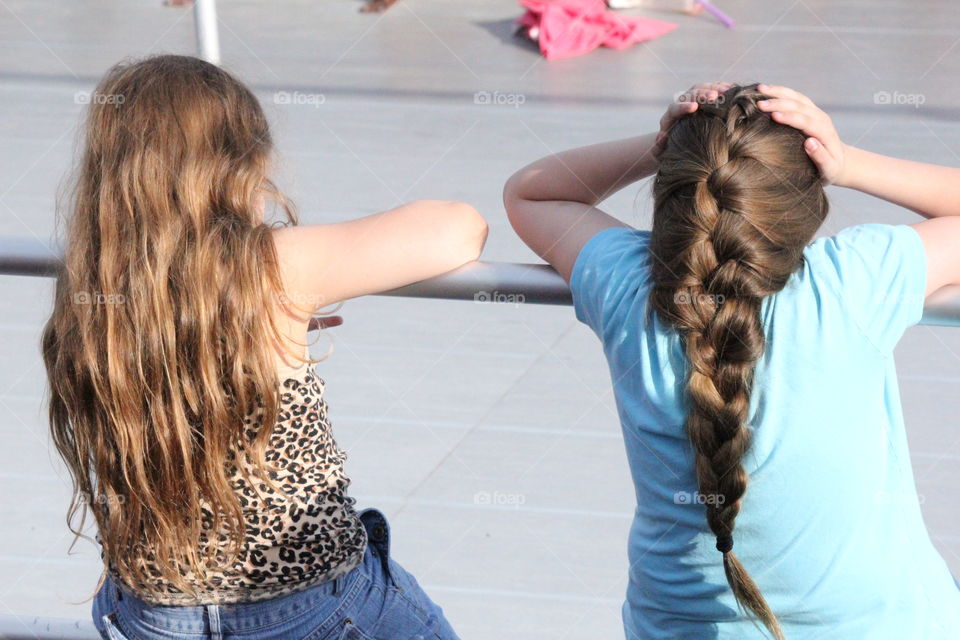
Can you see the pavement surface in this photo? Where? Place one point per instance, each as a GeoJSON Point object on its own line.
{"type": "Point", "coordinates": [486, 432]}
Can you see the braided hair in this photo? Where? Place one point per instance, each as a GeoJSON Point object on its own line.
{"type": "Point", "coordinates": [736, 200]}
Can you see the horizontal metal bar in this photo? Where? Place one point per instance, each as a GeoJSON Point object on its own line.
{"type": "Point", "coordinates": [28, 257]}
{"type": "Point", "coordinates": [487, 282]}
{"type": "Point", "coordinates": [493, 282]}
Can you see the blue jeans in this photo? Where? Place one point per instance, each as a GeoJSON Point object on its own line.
{"type": "Point", "coordinates": [378, 600]}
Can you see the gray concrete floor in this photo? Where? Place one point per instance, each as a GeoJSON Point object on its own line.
{"type": "Point", "coordinates": [443, 405]}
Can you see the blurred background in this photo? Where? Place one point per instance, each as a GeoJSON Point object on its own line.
{"type": "Point", "coordinates": [486, 431]}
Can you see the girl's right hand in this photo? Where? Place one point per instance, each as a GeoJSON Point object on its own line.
{"type": "Point", "coordinates": [823, 144]}
{"type": "Point", "coordinates": [685, 104]}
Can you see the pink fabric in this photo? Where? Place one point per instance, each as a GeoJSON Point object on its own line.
{"type": "Point", "coordinates": [567, 28]}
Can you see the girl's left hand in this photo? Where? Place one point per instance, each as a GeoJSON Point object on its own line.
{"type": "Point", "coordinates": [685, 104]}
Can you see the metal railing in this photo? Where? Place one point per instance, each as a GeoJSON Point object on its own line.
{"type": "Point", "coordinates": [205, 26]}
{"type": "Point", "coordinates": [479, 281]}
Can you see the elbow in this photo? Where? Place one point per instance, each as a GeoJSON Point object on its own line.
{"type": "Point", "coordinates": [466, 232]}
{"type": "Point", "coordinates": [512, 200]}
{"type": "Point", "coordinates": [476, 232]}
{"type": "Point", "coordinates": [483, 232]}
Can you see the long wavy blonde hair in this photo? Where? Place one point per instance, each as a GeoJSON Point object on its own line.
{"type": "Point", "coordinates": [162, 333]}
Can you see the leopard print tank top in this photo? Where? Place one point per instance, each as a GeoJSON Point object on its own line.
{"type": "Point", "coordinates": [303, 535]}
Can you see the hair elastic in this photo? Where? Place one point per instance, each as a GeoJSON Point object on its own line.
{"type": "Point", "coordinates": [725, 543]}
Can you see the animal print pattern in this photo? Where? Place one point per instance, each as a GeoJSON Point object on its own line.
{"type": "Point", "coordinates": [306, 533]}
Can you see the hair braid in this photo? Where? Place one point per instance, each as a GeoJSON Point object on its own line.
{"type": "Point", "coordinates": [736, 201]}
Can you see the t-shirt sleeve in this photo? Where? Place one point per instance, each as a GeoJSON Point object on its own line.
{"type": "Point", "coordinates": [605, 273]}
{"type": "Point", "coordinates": [881, 272]}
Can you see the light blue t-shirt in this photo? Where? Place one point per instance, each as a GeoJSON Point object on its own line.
{"type": "Point", "coordinates": [830, 528]}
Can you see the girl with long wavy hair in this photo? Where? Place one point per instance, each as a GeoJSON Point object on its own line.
{"type": "Point", "coordinates": [753, 366]}
{"type": "Point", "coordinates": [182, 393]}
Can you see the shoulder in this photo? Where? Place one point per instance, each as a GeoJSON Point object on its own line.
{"type": "Point", "coordinates": [856, 240]}
{"type": "Point", "coordinates": [875, 274]}
{"type": "Point", "coordinates": [611, 269]}
{"type": "Point", "coordinates": [865, 253]}
{"type": "Point", "coordinates": [612, 246]}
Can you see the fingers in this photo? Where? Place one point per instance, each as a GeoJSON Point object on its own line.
{"type": "Point", "coordinates": [821, 157]}
{"type": "Point", "coordinates": [784, 104]}
{"type": "Point", "coordinates": [688, 101]}
{"type": "Point", "coordinates": [784, 92]}
{"type": "Point", "coordinates": [795, 113]}
{"type": "Point", "coordinates": [795, 119]}
{"type": "Point", "coordinates": [674, 112]}
{"type": "Point", "coordinates": [796, 110]}
{"type": "Point", "coordinates": [332, 321]}
{"type": "Point", "coordinates": [685, 104]}
{"type": "Point", "coordinates": [718, 87]}
{"type": "Point", "coordinates": [813, 147]}
{"type": "Point", "coordinates": [680, 109]}
{"type": "Point", "coordinates": [704, 92]}
{"type": "Point", "coordinates": [324, 322]}
{"type": "Point", "coordinates": [800, 115]}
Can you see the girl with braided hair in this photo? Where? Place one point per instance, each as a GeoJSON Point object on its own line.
{"type": "Point", "coordinates": [753, 366]}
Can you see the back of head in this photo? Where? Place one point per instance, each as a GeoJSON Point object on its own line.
{"type": "Point", "coordinates": [736, 201]}
{"type": "Point", "coordinates": [158, 345]}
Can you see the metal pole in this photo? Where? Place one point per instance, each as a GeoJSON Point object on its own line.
{"type": "Point", "coordinates": [490, 282]}
{"type": "Point", "coordinates": [493, 282]}
{"type": "Point", "coordinates": [208, 38]}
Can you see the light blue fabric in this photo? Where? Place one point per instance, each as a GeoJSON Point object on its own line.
{"type": "Point", "coordinates": [830, 528]}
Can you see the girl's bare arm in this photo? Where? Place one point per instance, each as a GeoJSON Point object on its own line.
{"type": "Point", "coordinates": [551, 203]}
{"type": "Point", "coordinates": [328, 263]}
{"type": "Point", "coordinates": [930, 190]}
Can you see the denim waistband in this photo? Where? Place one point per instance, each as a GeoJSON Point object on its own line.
{"type": "Point", "coordinates": [245, 617]}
